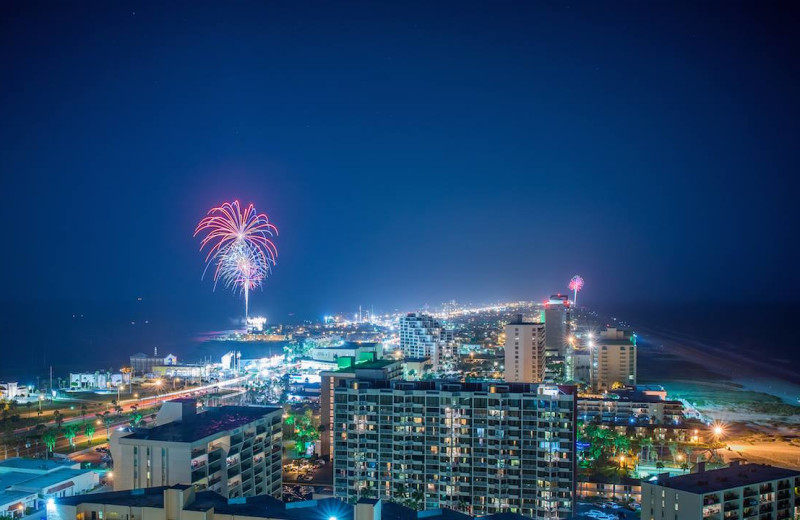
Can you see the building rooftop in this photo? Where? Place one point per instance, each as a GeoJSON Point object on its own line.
{"type": "Point", "coordinates": [146, 497]}
{"type": "Point", "coordinates": [38, 481]}
{"type": "Point", "coordinates": [261, 506]}
{"type": "Point", "coordinates": [37, 465]}
{"type": "Point", "coordinates": [367, 365]}
{"type": "Point", "coordinates": [444, 385]}
{"type": "Point", "coordinates": [725, 478]}
{"type": "Point", "coordinates": [8, 497]}
{"type": "Point", "coordinates": [196, 427]}
{"type": "Point", "coordinates": [47, 480]}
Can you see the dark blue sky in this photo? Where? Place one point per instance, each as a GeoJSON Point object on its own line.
{"type": "Point", "coordinates": [409, 153]}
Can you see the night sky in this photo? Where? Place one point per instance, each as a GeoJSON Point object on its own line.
{"type": "Point", "coordinates": [409, 153]}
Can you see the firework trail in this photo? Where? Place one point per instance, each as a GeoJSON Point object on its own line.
{"type": "Point", "coordinates": [575, 285]}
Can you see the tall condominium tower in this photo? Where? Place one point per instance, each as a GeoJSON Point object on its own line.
{"type": "Point", "coordinates": [613, 359]}
{"type": "Point", "coordinates": [556, 322]}
{"type": "Point", "coordinates": [482, 448]}
{"type": "Point", "coordinates": [422, 336]}
{"type": "Point", "coordinates": [524, 351]}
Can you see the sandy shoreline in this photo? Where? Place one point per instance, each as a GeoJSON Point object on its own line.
{"type": "Point", "coordinates": [758, 376]}
{"type": "Point", "coordinates": [757, 400]}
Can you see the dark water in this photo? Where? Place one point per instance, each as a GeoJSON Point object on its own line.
{"type": "Point", "coordinates": [91, 336]}
{"type": "Point", "coordinates": [763, 330]}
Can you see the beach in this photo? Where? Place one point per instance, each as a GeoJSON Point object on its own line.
{"type": "Point", "coordinates": [756, 399]}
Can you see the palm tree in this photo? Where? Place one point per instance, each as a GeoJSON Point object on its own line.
{"type": "Point", "coordinates": [136, 418]}
{"type": "Point", "coordinates": [28, 405]}
{"type": "Point", "coordinates": [70, 432]}
{"type": "Point", "coordinates": [49, 438]}
{"type": "Point", "coordinates": [83, 411]}
{"type": "Point", "coordinates": [647, 443]}
{"type": "Point", "coordinates": [89, 431]}
{"type": "Point", "coordinates": [59, 418]}
{"type": "Point", "coordinates": [107, 421]}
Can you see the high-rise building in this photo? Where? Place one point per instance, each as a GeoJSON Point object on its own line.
{"type": "Point", "coordinates": [738, 491]}
{"type": "Point", "coordinates": [421, 335]}
{"type": "Point", "coordinates": [377, 369]}
{"type": "Point", "coordinates": [482, 448]}
{"type": "Point", "coordinates": [233, 450]}
{"type": "Point", "coordinates": [524, 351]}
{"type": "Point", "coordinates": [556, 322]}
{"type": "Point", "coordinates": [613, 359]}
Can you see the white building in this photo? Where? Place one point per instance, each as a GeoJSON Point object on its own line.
{"type": "Point", "coordinates": [746, 491]}
{"type": "Point", "coordinates": [423, 336]}
{"type": "Point", "coordinates": [30, 483]}
{"type": "Point", "coordinates": [97, 380]}
{"type": "Point", "coordinates": [234, 450]}
{"type": "Point", "coordinates": [613, 359]}
{"type": "Point", "coordinates": [359, 351]}
{"type": "Point", "coordinates": [524, 351]}
{"type": "Point", "coordinates": [12, 390]}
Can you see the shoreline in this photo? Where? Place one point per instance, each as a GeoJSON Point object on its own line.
{"type": "Point", "coordinates": [733, 367]}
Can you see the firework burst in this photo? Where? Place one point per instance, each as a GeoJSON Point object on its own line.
{"type": "Point", "coordinates": [240, 247]}
{"type": "Point", "coordinates": [575, 285]}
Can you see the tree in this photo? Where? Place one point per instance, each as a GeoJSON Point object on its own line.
{"type": "Point", "coordinates": [49, 438]}
{"type": "Point", "coordinates": [136, 418]}
{"type": "Point", "coordinates": [59, 418]}
{"type": "Point", "coordinates": [647, 446]}
{"type": "Point", "coordinates": [107, 421]}
{"type": "Point", "coordinates": [89, 431]}
{"type": "Point", "coordinates": [83, 411]}
{"type": "Point", "coordinates": [659, 465]}
{"type": "Point", "coordinates": [70, 431]}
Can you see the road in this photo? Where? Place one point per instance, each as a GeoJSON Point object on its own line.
{"type": "Point", "coordinates": [148, 402]}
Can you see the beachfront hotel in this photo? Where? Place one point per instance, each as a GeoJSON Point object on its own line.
{"type": "Point", "coordinates": [738, 492]}
{"type": "Point", "coordinates": [613, 359]}
{"type": "Point", "coordinates": [483, 448]}
{"type": "Point", "coordinates": [233, 450]}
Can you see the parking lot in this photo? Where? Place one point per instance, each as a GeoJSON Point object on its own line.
{"type": "Point", "coordinates": [604, 511]}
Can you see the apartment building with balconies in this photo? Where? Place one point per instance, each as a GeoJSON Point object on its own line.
{"type": "Point", "coordinates": [233, 450]}
{"type": "Point", "coordinates": [738, 492]}
{"type": "Point", "coordinates": [481, 448]}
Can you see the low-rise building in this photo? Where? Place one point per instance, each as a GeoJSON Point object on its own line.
{"type": "Point", "coordinates": [626, 489]}
{"type": "Point", "coordinates": [359, 351]}
{"type": "Point", "coordinates": [12, 390]}
{"type": "Point", "coordinates": [181, 502]}
{"type": "Point", "coordinates": [99, 380]}
{"type": "Point", "coordinates": [740, 491]}
{"type": "Point", "coordinates": [234, 450]}
{"type": "Point", "coordinates": [28, 483]}
{"type": "Point", "coordinates": [142, 364]}
{"type": "Point", "coordinates": [629, 407]}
